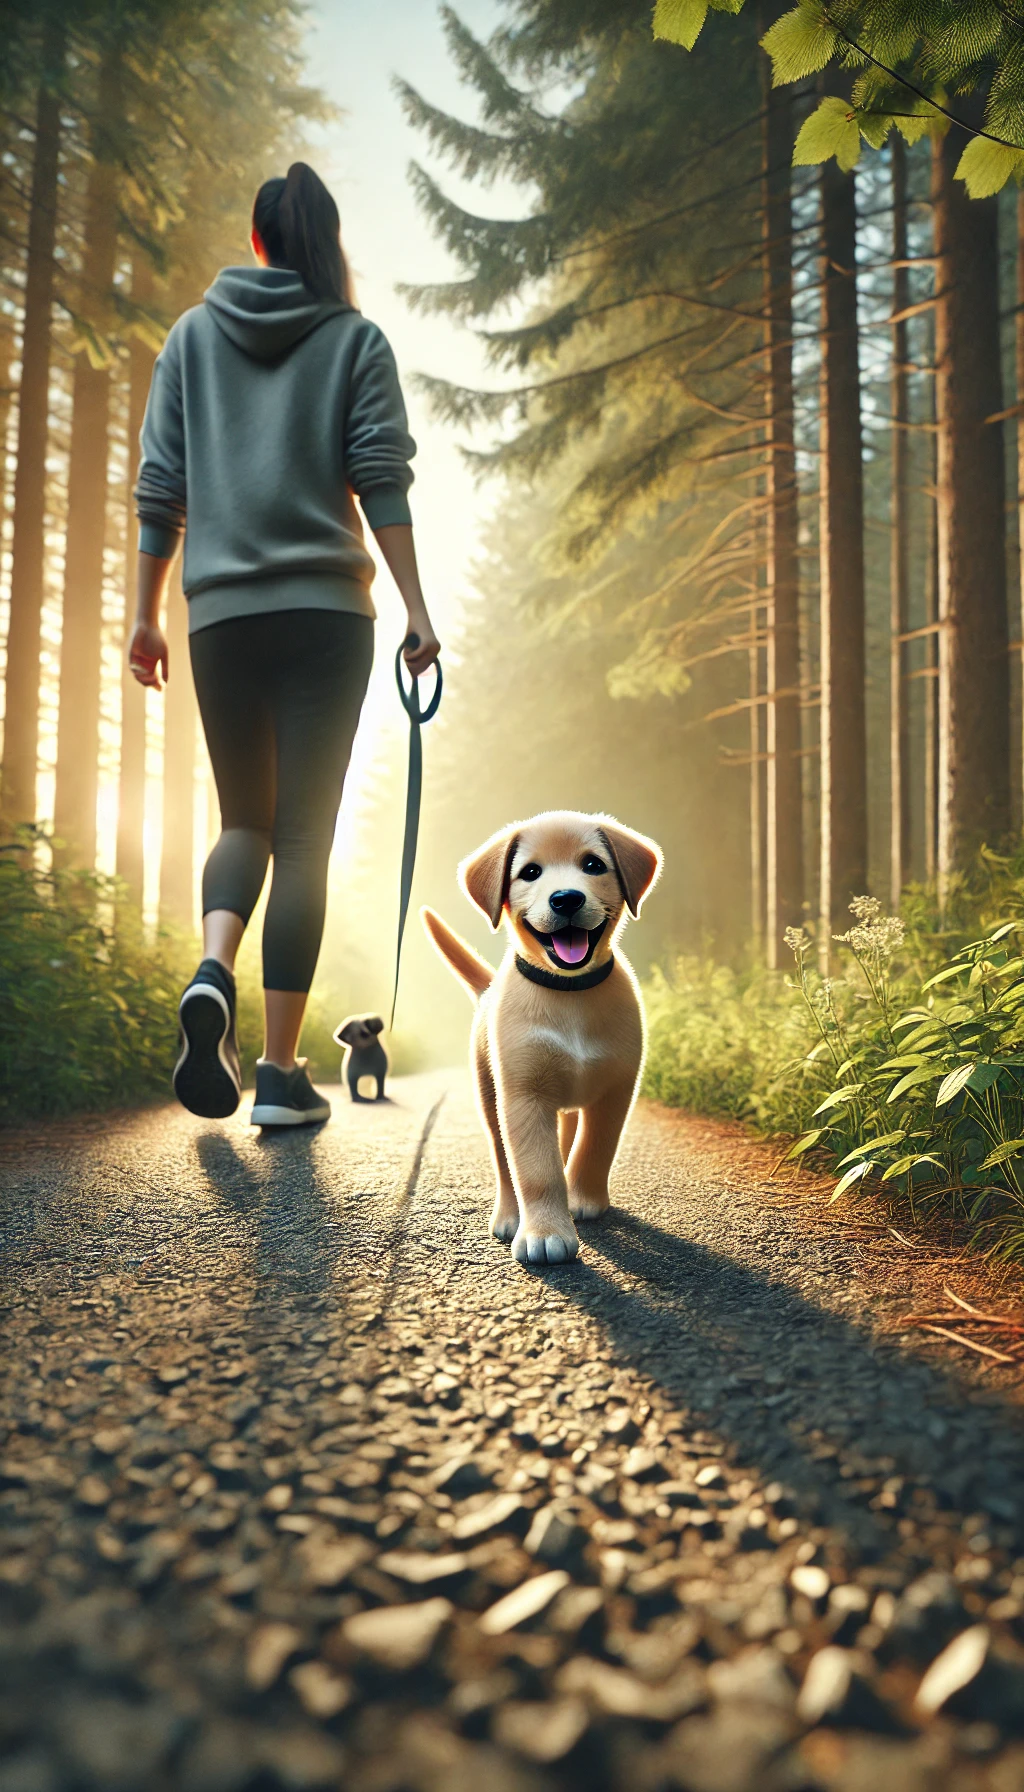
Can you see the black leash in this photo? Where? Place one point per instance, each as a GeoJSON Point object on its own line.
{"type": "Point", "coordinates": [417, 716]}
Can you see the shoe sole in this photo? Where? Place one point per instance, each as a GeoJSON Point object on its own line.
{"type": "Point", "coordinates": [204, 1080]}
{"type": "Point", "coordinates": [266, 1114]}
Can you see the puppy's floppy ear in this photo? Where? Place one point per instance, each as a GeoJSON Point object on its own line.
{"type": "Point", "coordinates": [346, 1033]}
{"type": "Point", "coordinates": [373, 1023]}
{"type": "Point", "coordinates": [637, 860]}
{"type": "Point", "coordinates": [484, 875]}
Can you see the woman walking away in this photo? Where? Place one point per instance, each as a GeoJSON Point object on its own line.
{"type": "Point", "coordinates": [274, 403]}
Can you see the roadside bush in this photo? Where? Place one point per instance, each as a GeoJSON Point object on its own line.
{"type": "Point", "coordinates": [89, 1011]}
{"type": "Point", "coordinates": [89, 1005]}
{"type": "Point", "coordinates": [908, 1068]}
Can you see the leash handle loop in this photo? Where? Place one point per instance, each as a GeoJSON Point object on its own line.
{"type": "Point", "coordinates": [417, 716]}
{"type": "Point", "coordinates": [411, 697]}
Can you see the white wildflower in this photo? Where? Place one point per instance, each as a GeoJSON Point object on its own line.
{"type": "Point", "coordinates": [866, 908]}
{"type": "Point", "coordinates": [798, 940]}
{"type": "Point", "coordinates": [876, 936]}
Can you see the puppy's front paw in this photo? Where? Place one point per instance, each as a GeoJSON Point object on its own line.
{"type": "Point", "coordinates": [545, 1247]}
{"type": "Point", "coordinates": [587, 1207]}
{"type": "Point", "coordinates": [504, 1220]}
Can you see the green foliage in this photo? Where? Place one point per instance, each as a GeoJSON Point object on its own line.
{"type": "Point", "coordinates": [719, 1038]}
{"type": "Point", "coordinates": [908, 1069]}
{"type": "Point", "coordinates": [830, 131]}
{"type": "Point", "coordinates": [986, 167]}
{"type": "Point", "coordinates": [680, 21]}
{"type": "Point", "coordinates": [915, 63]}
{"type": "Point", "coordinates": [801, 43]}
{"type": "Point", "coordinates": [89, 1018]}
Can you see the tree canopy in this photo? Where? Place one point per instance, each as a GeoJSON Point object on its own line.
{"type": "Point", "coordinates": [914, 65]}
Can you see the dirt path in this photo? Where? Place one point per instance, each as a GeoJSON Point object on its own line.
{"type": "Point", "coordinates": [306, 1484]}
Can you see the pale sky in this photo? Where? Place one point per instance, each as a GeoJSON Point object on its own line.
{"type": "Point", "coordinates": [354, 50]}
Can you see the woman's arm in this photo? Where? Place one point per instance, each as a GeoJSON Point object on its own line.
{"type": "Point", "coordinates": [148, 647]}
{"type": "Point", "coordinates": [399, 550]}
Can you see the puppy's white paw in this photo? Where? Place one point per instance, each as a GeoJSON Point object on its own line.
{"type": "Point", "coordinates": [504, 1225]}
{"type": "Point", "coordinates": [587, 1207]}
{"type": "Point", "coordinates": [545, 1247]}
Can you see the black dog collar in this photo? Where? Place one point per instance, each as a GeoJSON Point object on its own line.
{"type": "Point", "coordinates": [551, 980]}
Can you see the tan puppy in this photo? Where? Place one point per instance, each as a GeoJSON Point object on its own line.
{"type": "Point", "coordinates": [558, 1039]}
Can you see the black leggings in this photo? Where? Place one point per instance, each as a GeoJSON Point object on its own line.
{"type": "Point", "coordinates": [280, 696]}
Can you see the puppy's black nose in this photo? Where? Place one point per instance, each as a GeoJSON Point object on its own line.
{"type": "Point", "coordinates": [566, 902]}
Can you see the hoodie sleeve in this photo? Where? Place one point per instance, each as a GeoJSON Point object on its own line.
{"type": "Point", "coordinates": [160, 489]}
{"type": "Point", "coordinates": [378, 446]}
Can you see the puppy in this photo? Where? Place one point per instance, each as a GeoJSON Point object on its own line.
{"type": "Point", "coordinates": [558, 1039]}
{"type": "Point", "coordinates": [365, 1055]}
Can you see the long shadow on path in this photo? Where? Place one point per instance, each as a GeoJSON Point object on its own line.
{"type": "Point", "coordinates": [789, 1385]}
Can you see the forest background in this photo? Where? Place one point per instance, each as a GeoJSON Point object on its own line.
{"type": "Point", "coordinates": [748, 575]}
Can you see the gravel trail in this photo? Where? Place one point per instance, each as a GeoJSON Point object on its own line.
{"type": "Point", "coordinates": [305, 1484]}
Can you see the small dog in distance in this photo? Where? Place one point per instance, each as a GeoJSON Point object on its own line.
{"type": "Point", "coordinates": [364, 1054]}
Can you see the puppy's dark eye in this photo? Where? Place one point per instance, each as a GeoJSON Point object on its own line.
{"type": "Point", "coordinates": [529, 873]}
{"type": "Point", "coordinates": [593, 866]}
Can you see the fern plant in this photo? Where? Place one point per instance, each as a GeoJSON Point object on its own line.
{"type": "Point", "coordinates": [930, 1096]}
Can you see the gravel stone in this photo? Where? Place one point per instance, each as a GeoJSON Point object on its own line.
{"type": "Point", "coordinates": [812, 1582]}
{"type": "Point", "coordinates": [268, 1649]}
{"type": "Point", "coordinates": [328, 1562]}
{"type": "Point", "coordinates": [554, 1536]}
{"type": "Point", "coordinates": [398, 1637]}
{"type": "Point", "coordinates": [618, 1693]}
{"type": "Point", "coordinates": [523, 1603]}
{"type": "Point", "coordinates": [542, 1730]}
{"type": "Point", "coordinates": [490, 1517]}
{"type": "Point", "coordinates": [960, 1662]}
{"type": "Point", "coordinates": [419, 1568]}
{"type": "Point", "coordinates": [322, 1691]}
{"type": "Point", "coordinates": [755, 1677]}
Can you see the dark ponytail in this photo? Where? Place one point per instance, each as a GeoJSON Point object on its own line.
{"type": "Point", "coordinates": [298, 223]}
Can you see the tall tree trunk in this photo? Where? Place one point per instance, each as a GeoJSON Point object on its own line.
{"type": "Point", "coordinates": [78, 727]}
{"type": "Point", "coordinates": [931, 701]}
{"type": "Point", "coordinates": [844, 830]}
{"type": "Point", "coordinates": [756, 805]}
{"type": "Point", "coordinates": [784, 867]}
{"type": "Point", "coordinates": [131, 801]}
{"type": "Point", "coordinates": [974, 681]}
{"type": "Point", "coordinates": [1020, 468]}
{"type": "Point", "coordinates": [899, 555]}
{"type": "Point", "coordinates": [21, 727]}
{"type": "Point", "coordinates": [176, 874]}
{"type": "Point", "coordinates": [6, 398]}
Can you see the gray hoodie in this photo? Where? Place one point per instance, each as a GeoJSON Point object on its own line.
{"type": "Point", "coordinates": [268, 410]}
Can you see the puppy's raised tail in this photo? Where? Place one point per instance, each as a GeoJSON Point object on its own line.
{"type": "Point", "coordinates": [469, 967]}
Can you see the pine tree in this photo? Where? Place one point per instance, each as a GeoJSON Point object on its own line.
{"type": "Point", "coordinates": [78, 726]}
{"type": "Point", "coordinates": [21, 725]}
{"type": "Point", "coordinates": [974, 691]}
{"type": "Point", "coordinates": [899, 558]}
{"type": "Point", "coordinates": [784, 877]}
{"type": "Point", "coordinates": [844, 837]}
{"type": "Point", "coordinates": [646, 342]}
{"type": "Point", "coordinates": [131, 800]}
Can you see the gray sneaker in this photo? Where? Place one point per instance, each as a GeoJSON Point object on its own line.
{"type": "Point", "coordinates": [287, 1097]}
{"type": "Point", "coordinates": [207, 1079]}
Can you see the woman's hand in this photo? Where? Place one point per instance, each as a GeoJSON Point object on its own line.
{"type": "Point", "coordinates": [146, 652]}
{"type": "Point", "coordinates": [420, 658]}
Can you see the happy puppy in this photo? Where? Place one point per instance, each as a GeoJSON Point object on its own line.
{"type": "Point", "coordinates": [558, 1039]}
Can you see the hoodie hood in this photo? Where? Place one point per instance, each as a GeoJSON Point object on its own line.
{"type": "Point", "coordinates": [266, 311]}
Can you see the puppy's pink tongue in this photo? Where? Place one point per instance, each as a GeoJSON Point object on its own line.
{"type": "Point", "coordinates": [571, 944]}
